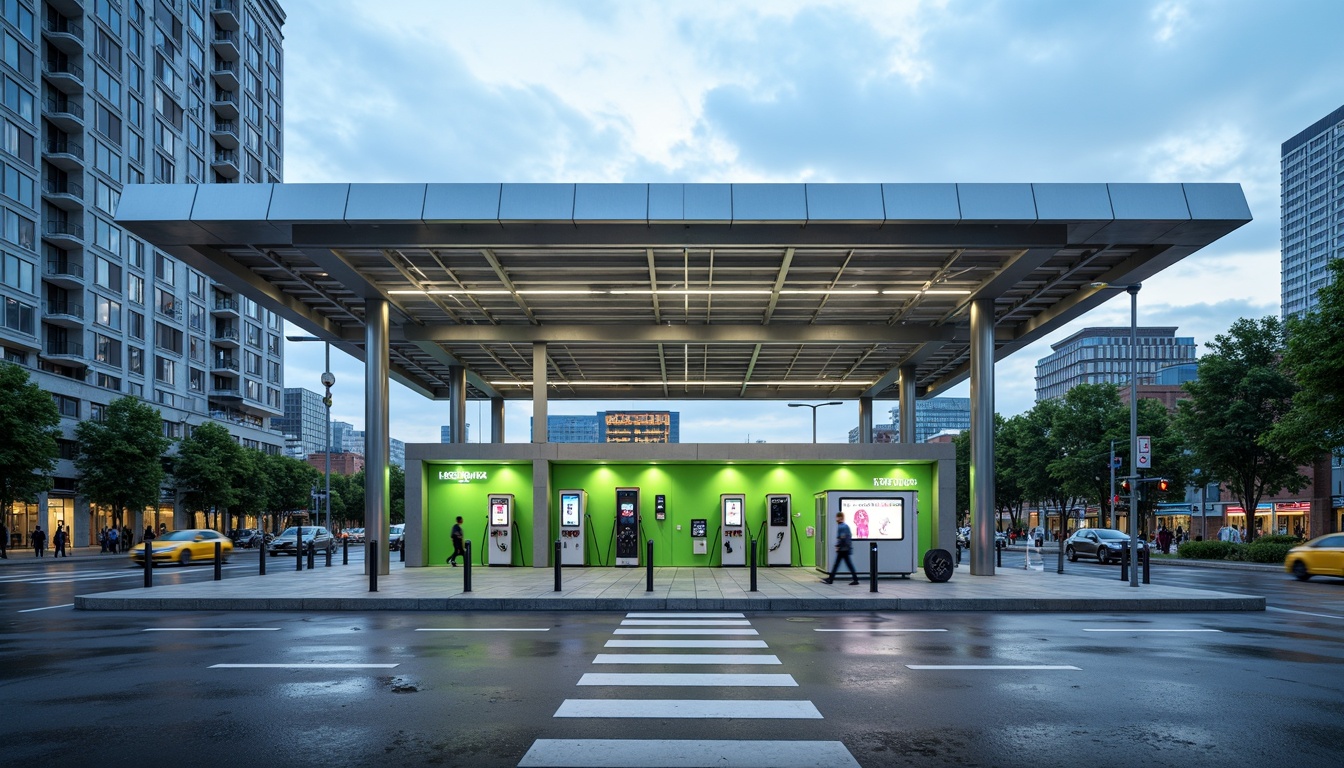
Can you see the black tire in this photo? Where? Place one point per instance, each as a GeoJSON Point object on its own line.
{"type": "Point", "coordinates": [1069, 553]}
{"type": "Point", "coordinates": [184, 559]}
{"type": "Point", "coordinates": [938, 565]}
{"type": "Point", "coordinates": [1300, 571]}
{"type": "Point", "coordinates": [1103, 557]}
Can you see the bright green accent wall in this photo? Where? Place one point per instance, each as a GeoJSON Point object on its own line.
{"type": "Point", "coordinates": [692, 491]}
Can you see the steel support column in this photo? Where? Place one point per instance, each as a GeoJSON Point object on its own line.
{"type": "Point", "coordinates": [982, 436]}
{"type": "Point", "coordinates": [496, 419]}
{"type": "Point", "coordinates": [457, 403]}
{"type": "Point", "coordinates": [376, 447]}
{"type": "Point", "coordinates": [905, 387]}
{"type": "Point", "coordinates": [539, 432]}
{"type": "Point", "coordinates": [865, 419]}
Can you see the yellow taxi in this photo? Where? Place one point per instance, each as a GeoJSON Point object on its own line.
{"type": "Point", "coordinates": [183, 547]}
{"type": "Point", "coordinates": [1322, 556]}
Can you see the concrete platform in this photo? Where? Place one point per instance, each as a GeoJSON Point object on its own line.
{"type": "Point", "coordinates": [346, 588]}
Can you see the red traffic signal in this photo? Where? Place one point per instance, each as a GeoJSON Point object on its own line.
{"type": "Point", "coordinates": [1163, 484]}
{"type": "Point", "coordinates": [1124, 486]}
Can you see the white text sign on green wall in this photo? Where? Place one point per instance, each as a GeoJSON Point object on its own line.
{"type": "Point", "coordinates": [464, 476]}
{"type": "Point", "coordinates": [894, 482]}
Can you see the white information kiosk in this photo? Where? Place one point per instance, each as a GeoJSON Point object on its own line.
{"type": "Point", "coordinates": [734, 509]}
{"type": "Point", "coordinates": [501, 529]}
{"type": "Point", "coordinates": [884, 517]}
{"type": "Point", "coordinates": [573, 505]}
{"type": "Point", "coordinates": [779, 518]}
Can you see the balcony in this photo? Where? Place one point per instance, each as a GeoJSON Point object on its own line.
{"type": "Point", "coordinates": [66, 195]}
{"type": "Point", "coordinates": [226, 337]}
{"type": "Point", "coordinates": [225, 163]}
{"type": "Point", "coordinates": [69, 314]}
{"type": "Point", "coordinates": [66, 274]}
{"type": "Point", "coordinates": [224, 364]}
{"type": "Point", "coordinates": [65, 76]}
{"type": "Point", "coordinates": [64, 34]}
{"type": "Point", "coordinates": [225, 43]}
{"type": "Point", "coordinates": [64, 154]}
{"type": "Point", "coordinates": [225, 74]}
{"type": "Point", "coordinates": [226, 393]}
{"type": "Point", "coordinates": [225, 307]}
{"type": "Point", "coordinates": [68, 352]}
{"type": "Point", "coordinates": [63, 233]}
{"type": "Point", "coordinates": [66, 114]}
{"type": "Point", "coordinates": [225, 13]}
{"type": "Point", "coordinates": [225, 104]}
{"type": "Point", "coordinates": [225, 134]}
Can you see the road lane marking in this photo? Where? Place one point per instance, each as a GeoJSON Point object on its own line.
{"type": "Point", "coordinates": [301, 666]}
{"type": "Point", "coordinates": [736, 709]}
{"type": "Point", "coordinates": [721, 644]}
{"type": "Point", "coordinates": [1152, 630]}
{"type": "Point", "coordinates": [991, 666]}
{"type": "Point", "coordinates": [212, 629]}
{"type": "Point", "coordinates": [689, 679]}
{"type": "Point", "coordinates": [686, 658]}
{"type": "Point", "coordinates": [47, 608]}
{"type": "Point", "coordinates": [483, 629]}
{"type": "Point", "coordinates": [685, 632]}
{"type": "Point", "coordinates": [879, 630]}
{"type": "Point", "coordinates": [685, 753]}
{"type": "Point", "coordinates": [1304, 613]}
{"type": "Point", "coordinates": [677, 615]}
{"type": "Point", "coordinates": [686, 622]}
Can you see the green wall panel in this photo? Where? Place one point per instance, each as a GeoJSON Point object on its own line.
{"type": "Point", "coordinates": [448, 498]}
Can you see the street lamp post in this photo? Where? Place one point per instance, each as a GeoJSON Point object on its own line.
{"type": "Point", "coordinates": [814, 408]}
{"type": "Point", "coordinates": [1134, 495]}
{"type": "Point", "coordinates": [328, 380]}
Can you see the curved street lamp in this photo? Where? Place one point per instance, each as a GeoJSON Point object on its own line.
{"type": "Point", "coordinates": [814, 408]}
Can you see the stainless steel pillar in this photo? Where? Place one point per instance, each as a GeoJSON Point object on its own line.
{"type": "Point", "coordinates": [982, 436]}
{"type": "Point", "coordinates": [865, 419]}
{"type": "Point", "coordinates": [376, 497]}
{"type": "Point", "coordinates": [905, 387]}
{"type": "Point", "coordinates": [496, 419]}
{"type": "Point", "coordinates": [457, 403]}
{"type": "Point", "coordinates": [539, 432]}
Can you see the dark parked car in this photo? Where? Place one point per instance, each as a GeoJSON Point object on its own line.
{"type": "Point", "coordinates": [1105, 544]}
{"type": "Point", "coordinates": [248, 538]}
{"type": "Point", "coordinates": [315, 538]}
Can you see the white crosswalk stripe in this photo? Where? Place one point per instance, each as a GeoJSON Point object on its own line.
{"type": "Point", "coordinates": [685, 658]}
{"type": "Point", "coordinates": [736, 709]}
{"type": "Point", "coordinates": [686, 623]}
{"type": "Point", "coordinates": [686, 753]}
{"type": "Point", "coordinates": [677, 679]}
{"type": "Point", "coordinates": [722, 644]}
{"type": "Point", "coordinates": [683, 631]}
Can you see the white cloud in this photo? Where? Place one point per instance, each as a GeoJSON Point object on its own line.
{"type": "Point", "coordinates": [1168, 16]}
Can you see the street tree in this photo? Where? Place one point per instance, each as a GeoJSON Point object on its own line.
{"type": "Point", "coordinates": [962, 443]}
{"type": "Point", "coordinates": [207, 469]}
{"type": "Point", "coordinates": [255, 487]}
{"type": "Point", "coordinates": [120, 459]}
{"type": "Point", "coordinates": [1090, 416]}
{"type": "Point", "coordinates": [30, 424]}
{"type": "Point", "coordinates": [1315, 359]}
{"type": "Point", "coordinates": [291, 482]}
{"type": "Point", "coordinates": [1036, 451]}
{"type": "Point", "coordinates": [1009, 496]}
{"type": "Point", "coordinates": [1241, 394]}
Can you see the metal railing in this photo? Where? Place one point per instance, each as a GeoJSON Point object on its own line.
{"type": "Point", "coordinates": [226, 304]}
{"type": "Point", "coordinates": [65, 348]}
{"type": "Point", "coordinates": [55, 105]}
{"type": "Point", "coordinates": [64, 147]}
{"type": "Point", "coordinates": [228, 334]}
{"type": "Point", "coordinates": [65, 269]}
{"type": "Point", "coordinates": [58, 187]}
{"type": "Point", "coordinates": [64, 307]}
{"type": "Point", "coordinates": [63, 68]}
{"type": "Point", "coordinates": [226, 363]}
{"type": "Point", "coordinates": [63, 26]}
{"type": "Point", "coordinates": [65, 228]}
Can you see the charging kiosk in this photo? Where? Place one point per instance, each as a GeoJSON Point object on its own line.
{"type": "Point", "coordinates": [627, 527]}
{"type": "Point", "coordinates": [699, 536]}
{"type": "Point", "coordinates": [734, 509]}
{"type": "Point", "coordinates": [501, 529]}
{"type": "Point", "coordinates": [573, 505]}
{"type": "Point", "coordinates": [885, 517]}
{"type": "Point", "coordinates": [778, 515]}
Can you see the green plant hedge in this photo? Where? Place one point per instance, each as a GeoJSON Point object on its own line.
{"type": "Point", "coordinates": [1266, 549]}
{"type": "Point", "coordinates": [1208, 550]}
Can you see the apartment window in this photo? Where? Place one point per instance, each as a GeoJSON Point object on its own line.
{"type": "Point", "coordinates": [273, 321]}
{"type": "Point", "coordinates": [163, 169]}
{"type": "Point", "coordinates": [110, 12]}
{"type": "Point", "coordinates": [165, 370]}
{"type": "Point", "coordinates": [167, 337]}
{"type": "Point", "coordinates": [196, 317]}
{"type": "Point", "coordinates": [19, 230]}
{"type": "Point", "coordinates": [107, 122]}
{"type": "Point", "coordinates": [18, 56]}
{"type": "Point", "coordinates": [107, 381]}
{"type": "Point", "coordinates": [68, 406]}
{"type": "Point", "coordinates": [171, 429]}
{"type": "Point", "coordinates": [135, 42]}
{"type": "Point", "coordinates": [253, 335]}
{"type": "Point", "coordinates": [196, 281]}
{"type": "Point", "coordinates": [253, 390]}
{"type": "Point", "coordinates": [106, 197]}
{"type": "Point", "coordinates": [17, 273]}
{"type": "Point", "coordinates": [273, 397]}
{"type": "Point", "coordinates": [16, 141]}
{"type": "Point", "coordinates": [273, 372]}
{"type": "Point", "coordinates": [166, 303]}
{"type": "Point", "coordinates": [165, 138]}
{"type": "Point", "coordinates": [253, 367]}
{"type": "Point", "coordinates": [19, 99]}
{"type": "Point", "coordinates": [273, 344]}
{"type": "Point", "coordinates": [196, 379]}
{"type": "Point", "coordinates": [107, 274]}
{"type": "Point", "coordinates": [107, 312]}
{"type": "Point", "coordinates": [135, 253]}
{"type": "Point", "coordinates": [135, 324]}
{"type": "Point", "coordinates": [164, 269]}
{"type": "Point", "coordinates": [18, 316]}
{"type": "Point", "coordinates": [107, 160]}
{"type": "Point", "coordinates": [135, 360]}
{"type": "Point", "coordinates": [251, 308]}
{"type": "Point", "coordinates": [135, 289]}
{"type": "Point", "coordinates": [109, 88]}
{"type": "Point", "coordinates": [167, 108]}
{"type": "Point", "coordinates": [106, 236]}
{"type": "Point", "coordinates": [196, 349]}
{"type": "Point", "coordinates": [106, 350]}
{"type": "Point", "coordinates": [18, 186]}
{"type": "Point", "coordinates": [135, 76]}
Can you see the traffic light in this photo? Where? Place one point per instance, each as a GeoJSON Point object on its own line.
{"type": "Point", "coordinates": [1124, 486]}
{"type": "Point", "coordinates": [1163, 484]}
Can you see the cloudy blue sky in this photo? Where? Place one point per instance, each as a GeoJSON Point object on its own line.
{"type": "Point", "coordinates": [793, 91]}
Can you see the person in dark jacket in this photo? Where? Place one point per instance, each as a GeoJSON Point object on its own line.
{"type": "Point", "coordinates": [58, 540]}
{"type": "Point", "coordinates": [844, 541]}
{"type": "Point", "coordinates": [39, 539]}
{"type": "Point", "coordinates": [457, 537]}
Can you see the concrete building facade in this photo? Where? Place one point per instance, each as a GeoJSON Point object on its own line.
{"type": "Point", "coordinates": [1312, 200]}
{"type": "Point", "coordinates": [1102, 356]}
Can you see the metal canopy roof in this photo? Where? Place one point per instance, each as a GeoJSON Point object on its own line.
{"type": "Point", "coordinates": [653, 291]}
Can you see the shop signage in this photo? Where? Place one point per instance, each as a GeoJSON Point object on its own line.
{"type": "Point", "coordinates": [894, 482]}
{"type": "Point", "coordinates": [463, 476]}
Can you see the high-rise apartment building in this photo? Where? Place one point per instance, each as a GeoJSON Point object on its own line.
{"type": "Point", "coordinates": [1102, 356]}
{"type": "Point", "coordinates": [1312, 226]}
{"type": "Point", "coordinates": [615, 427]}
{"type": "Point", "coordinates": [305, 418]}
{"type": "Point", "coordinates": [102, 93]}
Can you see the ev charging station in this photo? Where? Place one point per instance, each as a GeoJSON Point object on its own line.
{"type": "Point", "coordinates": [886, 518]}
{"type": "Point", "coordinates": [627, 527]}
{"type": "Point", "coordinates": [734, 509]}
{"type": "Point", "coordinates": [573, 505]}
{"type": "Point", "coordinates": [501, 529]}
{"type": "Point", "coordinates": [779, 514]}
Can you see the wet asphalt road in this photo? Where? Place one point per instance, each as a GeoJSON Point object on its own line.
{"type": "Point", "coordinates": [96, 688]}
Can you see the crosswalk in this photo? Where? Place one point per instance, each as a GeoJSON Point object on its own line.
{"type": "Point", "coordinates": [665, 636]}
{"type": "Point", "coordinates": [125, 572]}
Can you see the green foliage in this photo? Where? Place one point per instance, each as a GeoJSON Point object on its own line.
{"type": "Point", "coordinates": [254, 483]}
{"type": "Point", "coordinates": [1081, 431]}
{"type": "Point", "coordinates": [1261, 551]}
{"type": "Point", "coordinates": [1315, 358]}
{"type": "Point", "coordinates": [30, 423]}
{"type": "Point", "coordinates": [291, 481]}
{"type": "Point", "coordinates": [121, 457]}
{"type": "Point", "coordinates": [208, 466]}
{"type": "Point", "coordinates": [1266, 549]}
{"type": "Point", "coordinates": [1208, 550]}
{"type": "Point", "coordinates": [962, 442]}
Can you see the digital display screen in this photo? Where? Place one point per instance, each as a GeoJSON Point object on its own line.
{"type": "Point", "coordinates": [732, 512]}
{"type": "Point", "coordinates": [875, 518]}
{"type": "Point", "coordinates": [569, 510]}
{"type": "Point", "coordinates": [499, 512]}
{"type": "Point", "coordinates": [699, 528]}
{"type": "Point", "coordinates": [625, 515]}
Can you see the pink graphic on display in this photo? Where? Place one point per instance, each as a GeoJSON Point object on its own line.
{"type": "Point", "coordinates": [861, 524]}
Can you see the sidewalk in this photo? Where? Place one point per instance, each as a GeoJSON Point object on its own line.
{"type": "Point", "coordinates": [345, 588]}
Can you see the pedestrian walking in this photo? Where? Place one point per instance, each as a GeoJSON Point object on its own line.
{"type": "Point", "coordinates": [457, 537]}
{"type": "Point", "coordinates": [39, 540]}
{"type": "Point", "coordinates": [58, 541]}
{"type": "Point", "coordinates": [112, 536]}
{"type": "Point", "coordinates": [844, 541]}
{"type": "Point", "coordinates": [126, 539]}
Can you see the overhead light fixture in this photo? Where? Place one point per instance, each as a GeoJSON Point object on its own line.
{"type": "Point", "coordinates": [708, 383]}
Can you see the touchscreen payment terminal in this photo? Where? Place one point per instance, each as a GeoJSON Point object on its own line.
{"type": "Point", "coordinates": [733, 550]}
{"type": "Point", "coordinates": [573, 506]}
{"type": "Point", "coordinates": [501, 529]}
{"type": "Point", "coordinates": [627, 526]}
{"type": "Point", "coordinates": [779, 515]}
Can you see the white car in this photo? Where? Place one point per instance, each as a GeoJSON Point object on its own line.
{"type": "Point", "coordinates": [395, 535]}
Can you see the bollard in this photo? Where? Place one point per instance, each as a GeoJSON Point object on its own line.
{"type": "Point", "coordinates": [557, 565]}
{"type": "Point", "coordinates": [958, 553]}
{"type": "Point", "coordinates": [371, 559]}
{"type": "Point", "coordinates": [345, 551]}
{"type": "Point", "coordinates": [149, 565]}
{"type": "Point", "coordinates": [219, 561]}
{"type": "Point", "coordinates": [753, 565]}
{"type": "Point", "coordinates": [1124, 566]}
{"type": "Point", "coordinates": [998, 555]}
{"type": "Point", "coordinates": [648, 572]}
{"type": "Point", "coordinates": [872, 566]}
{"type": "Point", "coordinates": [1147, 563]}
{"type": "Point", "coordinates": [466, 568]}
{"type": "Point", "coordinates": [261, 568]}
{"type": "Point", "coordinates": [401, 549]}
{"type": "Point", "coordinates": [312, 554]}
{"type": "Point", "coordinates": [329, 550]}
{"type": "Point", "coordinates": [298, 549]}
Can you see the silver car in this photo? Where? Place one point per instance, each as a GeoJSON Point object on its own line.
{"type": "Point", "coordinates": [1105, 544]}
{"type": "Point", "coordinates": [315, 539]}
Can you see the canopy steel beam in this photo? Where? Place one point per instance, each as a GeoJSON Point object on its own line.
{"type": "Point", "coordinates": [677, 334]}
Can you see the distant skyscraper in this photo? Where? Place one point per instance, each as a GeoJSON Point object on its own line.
{"type": "Point", "coordinates": [446, 434]}
{"type": "Point", "coordinates": [572, 429]}
{"type": "Point", "coordinates": [305, 418]}
{"type": "Point", "coordinates": [931, 417]}
{"type": "Point", "coordinates": [615, 427]}
{"type": "Point", "coordinates": [1101, 356]}
{"type": "Point", "coordinates": [1312, 194]}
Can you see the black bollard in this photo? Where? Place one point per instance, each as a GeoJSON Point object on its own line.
{"type": "Point", "coordinates": [466, 568]}
{"type": "Point", "coordinates": [1124, 566]}
{"type": "Point", "coordinates": [753, 565]}
{"type": "Point", "coordinates": [329, 551]}
{"type": "Point", "coordinates": [298, 549]}
{"type": "Point", "coordinates": [872, 566]}
{"type": "Point", "coordinates": [219, 561]}
{"type": "Point", "coordinates": [402, 550]}
{"type": "Point", "coordinates": [1147, 563]}
{"type": "Point", "coordinates": [557, 565]}
{"type": "Point", "coordinates": [958, 552]}
{"type": "Point", "coordinates": [149, 565]}
{"type": "Point", "coordinates": [371, 559]}
{"type": "Point", "coordinates": [312, 554]}
{"type": "Point", "coordinates": [648, 572]}
{"type": "Point", "coordinates": [998, 555]}
{"type": "Point", "coordinates": [345, 551]}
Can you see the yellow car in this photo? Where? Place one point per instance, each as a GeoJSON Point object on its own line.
{"type": "Point", "coordinates": [182, 547]}
{"type": "Point", "coordinates": [1322, 556]}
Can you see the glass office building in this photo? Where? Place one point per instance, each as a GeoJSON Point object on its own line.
{"type": "Point", "coordinates": [1102, 356]}
{"type": "Point", "coordinates": [102, 93]}
{"type": "Point", "coordinates": [934, 416]}
{"type": "Point", "coordinates": [615, 427]}
{"type": "Point", "coordinates": [1312, 226]}
{"type": "Point", "coordinates": [305, 418]}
